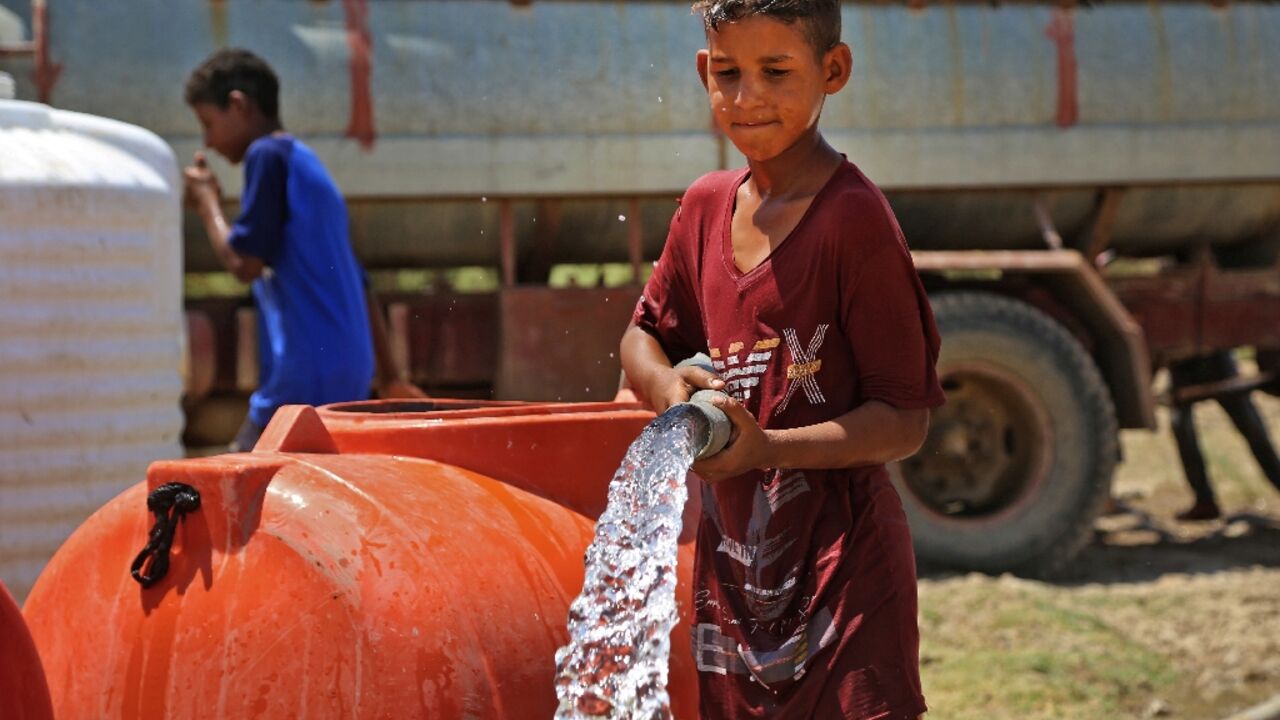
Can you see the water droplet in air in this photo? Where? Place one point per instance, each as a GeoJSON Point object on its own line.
{"type": "Point", "coordinates": [622, 218]}
{"type": "Point", "coordinates": [484, 199]}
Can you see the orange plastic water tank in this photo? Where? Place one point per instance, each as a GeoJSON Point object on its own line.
{"type": "Point", "coordinates": [23, 692]}
{"type": "Point", "coordinates": [390, 560]}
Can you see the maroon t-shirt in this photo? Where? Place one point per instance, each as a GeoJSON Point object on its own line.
{"type": "Point", "coordinates": [805, 579]}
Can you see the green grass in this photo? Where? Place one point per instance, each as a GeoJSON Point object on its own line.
{"type": "Point", "coordinates": [468, 279]}
{"type": "Point", "coordinates": [596, 275]}
{"type": "Point", "coordinates": [997, 648]}
{"type": "Point", "coordinates": [199, 286]}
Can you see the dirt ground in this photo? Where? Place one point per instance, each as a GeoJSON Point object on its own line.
{"type": "Point", "coordinates": [1158, 618]}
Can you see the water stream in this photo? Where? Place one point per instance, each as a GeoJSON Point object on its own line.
{"type": "Point", "coordinates": [615, 665]}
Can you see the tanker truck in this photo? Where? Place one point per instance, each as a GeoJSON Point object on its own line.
{"type": "Point", "coordinates": [1090, 193]}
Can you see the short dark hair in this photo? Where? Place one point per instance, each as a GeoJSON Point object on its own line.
{"type": "Point", "coordinates": [820, 18]}
{"type": "Point", "coordinates": [234, 69]}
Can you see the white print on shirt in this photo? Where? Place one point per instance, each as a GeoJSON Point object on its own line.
{"type": "Point", "coordinates": [745, 370]}
{"type": "Point", "coordinates": [742, 375]}
{"type": "Point", "coordinates": [738, 551]}
{"type": "Point", "coordinates": [788, 487]}
{"type": "Point", "coordinates": [720, 653]}
{"type": "Point", "coordinates": [806, 365]}
{"type": "Point", "coordinates": [770, 593]}
{"type": "Point", "coordinates": [769, 604]}
{"type": "Point", "coordinates": [749, 555]}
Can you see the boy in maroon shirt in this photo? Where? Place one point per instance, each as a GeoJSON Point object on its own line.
{"type": "Point", "coordinates": [794, 277]}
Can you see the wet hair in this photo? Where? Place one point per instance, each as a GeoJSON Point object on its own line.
{"type": "Point", "coordinates": [820, 19]}
{"type": "Point", "coordinates": [234, 69]}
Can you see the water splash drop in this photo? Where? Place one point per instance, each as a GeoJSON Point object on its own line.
{"type": "Point", "coordinates": [615, 665]}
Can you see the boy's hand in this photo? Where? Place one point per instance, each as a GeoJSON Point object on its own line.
{"type": "Point", "coordinates": [748, 447]}
{"type": "Point", "coordinates": [675, 385]}
{"type": "Point", "coordinates": [400, 390]}
{"type": "Point", "coordinates": [201, 185]}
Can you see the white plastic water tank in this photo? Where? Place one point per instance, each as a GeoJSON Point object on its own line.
{"type": "Point", "coordinates": [91, 338]}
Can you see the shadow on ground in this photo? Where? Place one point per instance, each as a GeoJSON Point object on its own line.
{"type": "Point", "coordinates": [1131, 546]}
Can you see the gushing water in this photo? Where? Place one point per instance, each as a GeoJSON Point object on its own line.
{"type": "Point", "coordinates": [615, 665]}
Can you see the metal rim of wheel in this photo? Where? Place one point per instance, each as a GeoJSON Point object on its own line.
{"type": "Point", "coordinates": [989, 447]}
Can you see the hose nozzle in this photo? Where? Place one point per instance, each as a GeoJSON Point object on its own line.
{"type": "Point", "coordinates": [718, 424]}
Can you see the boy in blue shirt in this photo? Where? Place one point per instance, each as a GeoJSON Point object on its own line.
{"type": "Point", "coordinates": [290, 240]}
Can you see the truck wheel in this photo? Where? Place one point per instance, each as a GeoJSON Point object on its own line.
{"type": "Point", "coordinates": [1018, 463]}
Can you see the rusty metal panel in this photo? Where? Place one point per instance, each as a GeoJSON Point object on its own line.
{"type": "Point", "coordinates": [451, 339]}
{"type": "Point", "coordinates": [1193, 310]}
{"type": "Point", "coordinates": [90, 323]}
{"type": "Point", "coordinates": [562, 344]}
{"type": "Point", "coordinates": [1242, 308]}
{"type": "Point", "coordinates": [1168, 308]}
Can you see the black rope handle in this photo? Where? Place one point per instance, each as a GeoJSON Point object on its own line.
{"type": "Point", "coordinates": [169, 503]}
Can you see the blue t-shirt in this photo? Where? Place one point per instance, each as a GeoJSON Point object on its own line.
{"type": "Point", "coordinates": [314, 341]}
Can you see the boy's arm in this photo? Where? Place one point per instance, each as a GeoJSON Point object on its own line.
{"type": "Point", "coordinates": [203, 191]}
{"type": "Point", "coordinates": [649, 369]}
{"type": "Point", "coordinates": [871, 434]}
{"type": "Point", "coordinates": [392, 381]}
{"type": "Point", "coordinates": [896, 357]}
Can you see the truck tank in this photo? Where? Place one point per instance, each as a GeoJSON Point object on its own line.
{"type": "Point", "coordinates": [425, 111]}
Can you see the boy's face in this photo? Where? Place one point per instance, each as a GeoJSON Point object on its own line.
{"type": "Point", "coordinates": [227, 131]}
{"type": "Point", "coordinates": [766, 84]}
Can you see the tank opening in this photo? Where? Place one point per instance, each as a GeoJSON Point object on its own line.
{"type": "Point", "coordinates": [408, 406]}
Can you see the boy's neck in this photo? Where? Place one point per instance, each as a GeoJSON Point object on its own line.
{"type": "Point", "coordinates": [801, 169]}
{"type": "Point", "coordinates": [263, 126]}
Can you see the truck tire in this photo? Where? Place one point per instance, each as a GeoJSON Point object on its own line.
{"type": "Point", "coordinates": [1018, 463]}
